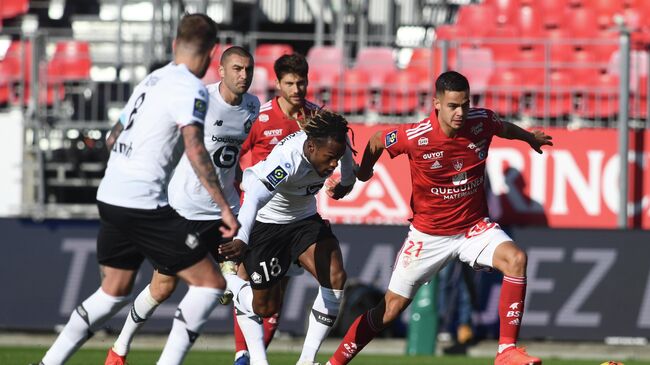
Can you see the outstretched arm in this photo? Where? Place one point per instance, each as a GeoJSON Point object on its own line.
{"type": "Point", "coordinates": [536, 139]}
{"type": "Point", "coordinates": [373, 151]}
{"type": "Point", "coordinates": [204, 169]}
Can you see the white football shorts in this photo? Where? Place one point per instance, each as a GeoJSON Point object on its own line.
{"type": "Point", "coordinates": [423, 255]}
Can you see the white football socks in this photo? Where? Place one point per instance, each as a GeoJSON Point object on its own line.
{"type": "Point", "coordinates": [192, 313]}
{"type": "Point", "coordinates": [86, 318]}
{"type": "Point", "coordinates": [143, 307]}
{"type": "Point", "coordinates": [323, 314]}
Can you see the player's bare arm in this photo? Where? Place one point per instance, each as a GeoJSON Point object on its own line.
{"type": "Point", "coordinates": [336, 190]}
{"type": "Point", "coordinates": [112, 136]}
{"type": "Point", "coordinates": [536, 139]}
{"type": "Point", "coordinates": [204, 169]}
{"type": "Point", "coordinates": [234, 249]}
{"type": "Point", "coordinates": [373, 151]}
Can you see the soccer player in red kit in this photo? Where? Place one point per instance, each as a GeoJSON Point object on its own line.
{"type": "Point", "coordinates": [447, 153]}
{"type": "Point", "coordinates": [278, 118]}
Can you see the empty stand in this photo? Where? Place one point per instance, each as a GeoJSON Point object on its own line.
{"type": "Point", "coordinates": [504, 92]}
{"type": "Point", "coordinates": [377, 63]}
{"type": "Point", "coordinates": [599, 97]}
{"type": "Point", "coordinates": [328, 61]}
{"type": "Point", "coordinates": [350, 93]}
{"type": "Point", "coordinates": [398, 95]}
{"type": "Point", "coordinates": [265, 56]}
{"type": "Point", "coordinates": [71, 62]}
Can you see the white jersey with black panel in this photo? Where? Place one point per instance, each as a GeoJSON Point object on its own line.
{"type": "Point", "coordinates": [148, 148]}
{"type": "Point", "coordinates": [226, 129]}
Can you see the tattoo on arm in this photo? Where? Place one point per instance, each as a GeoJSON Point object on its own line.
{"type": "Point", "coordinates": [115, 133]}
{"type": "Point", "coordinates": [201, 163]}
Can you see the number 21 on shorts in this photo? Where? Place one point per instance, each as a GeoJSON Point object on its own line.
{"type": "Point", "coordinates": [413, 248]}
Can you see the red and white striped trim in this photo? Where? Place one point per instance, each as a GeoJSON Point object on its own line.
{"type": "Point", "coordinates": [421, 129]}
{"type": "Point", "coordinates": [515, 279]}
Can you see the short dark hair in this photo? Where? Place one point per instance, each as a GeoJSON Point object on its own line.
{"type": "Point", "coordinates": [324, 124]}
{"type": "Point", "coordinates": [197, 30]}
{"type": "Point", "coordinates": [291, 64]}
{"type": "Point", "coordinates": [451, 81]}
{"type": "Point", "coordinates": [235, 50]}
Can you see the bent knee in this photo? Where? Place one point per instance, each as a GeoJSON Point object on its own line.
{"type": "Point", "coordinates": [516, 263]}
{"type": "Point", "coordinates": [338, 279]}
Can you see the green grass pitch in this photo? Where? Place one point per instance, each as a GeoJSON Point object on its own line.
{"type": "Point", "coordinates": [27, 355]}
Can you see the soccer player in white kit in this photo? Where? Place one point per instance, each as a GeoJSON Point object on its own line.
{"type": "Point", "coordinates": [168, 106]}
{"type": "Point", "coordinates": [447, 153]}
{"type": "Point", "coordinates": [229, 118]}
{"type": "Point", "coordinates": [280, 226]}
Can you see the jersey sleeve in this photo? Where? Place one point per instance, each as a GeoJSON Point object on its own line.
{"type": "Point", "coordinates": [495, 125]}
{"type": "Point", "coordinates": [347, 166]}
{"type": "Point", "coordinates": [190, 104]}
{"type": "Point", "coordinates": [395, 140]}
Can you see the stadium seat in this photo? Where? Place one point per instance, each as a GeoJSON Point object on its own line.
{"type": "Point", "coordinates": [13, 8]}
{"type": "Point", "coordinates": [421, 67]}
{"type": "Point", "coordinates": [505, 89]}
{"type": "Point", "coordinates": [604, 10]}
{"type": "Point", "coordinates": [529, 21]}
{"type": "Point", "coordinates": [560, 45]}
{"type": "Point", "coordinates": [476, 19]}
{"type": "Point", "coordinates": [265, 56]}
{"type": "Point", "coordinates": [398, 96]}
{"type": "Point", "coordinates": [71, 62]}
{"type": "Point", "coordinates": [17, 61]}
{"type": "Point", "coordinates": [581, 22]}
{"type": "Point", "coordinates": [377, 63]}
{"type": "Point", "coordinates": [259, 85]}
{"type": "Point", "coordinates": [212, 75]}
{"type": "Point", "coordinates": [552, 11]}
{"type": "Point", "coordinates": [530, 63]}
{"type": "Point", "coordinates": [638, 67]}
{"type": "Point", "coordinates": [350, 93]}
{"type": "Point", "coordinates": [599, 97]}
{"type": "Point", "coordinates": [504, 9]}
{"type": "Point", "coordinates": [604, 45]}
{"type": "Point", "coordinates": [583, 66]}
{"type": "Point", "coordinates": [553, 100]}
{"type": "Point", "coordinates": [328, 61]}
{"type": "Point", "coordinates": [477, 65]}
{"type": "Point", "coordinates": [314, 88]}
{"type": "Point", "coordinates": [503, 41]}
{"type": "Point", "coordinates": [450, 32]}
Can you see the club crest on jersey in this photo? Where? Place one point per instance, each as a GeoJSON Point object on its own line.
{"type": "Point", "coordinates": [256, 278]}
{"type": "Point", "coordinates": [263, 118]}
{"type": "Point", "coordinates": [458, 164]}
{"type": "Point", "coordinates": [391, 138]}
{"type": "Point", "coordinates": [200, 107]}
{"type": "Point", "coordinates": [275, 177]}
{"type": "Point", "coordinates": [423, 141]}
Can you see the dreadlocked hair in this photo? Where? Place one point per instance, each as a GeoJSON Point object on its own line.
{"type": "Point", "coordinates": [324, 124]}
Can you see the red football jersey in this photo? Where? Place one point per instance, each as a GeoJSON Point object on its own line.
{"type": "Point", "coordinates": [271, 126]}
{"type": "Point", "coordinates": [448, 174]}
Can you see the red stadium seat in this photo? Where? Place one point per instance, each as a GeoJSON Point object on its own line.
{"type": "Point", "coordinates": [477, 19]}
{"type": "Point", "coordinates": [604, 9]}
{"type": "Point", "coordinates": [266, 54]}
{"type": "Point", "coordinates": [450, 32]}
{"type": "Point", "coordinates": [504, 9]}
{"type": "Point", "coordinates": [477, 65]}
{"type": "Point", "coordinates": [377, 62]}
{"type": "Point", "coordinates": [259, 85]}
{"type": "Point", "coordinates": [13, 8]}
{"type": "Point", "coordinates": [503, 43]}
{"type": "Point", "coordinates": [314, 86]}
{"type": "Point", "coordinates": [552, 10]}
{"type": "Point", "coordinates": [530, 64]}
{"type": "Point", "coordinates": [421, 67]}
{"type": "Point", "coordinates": [398, 95]}
{"type": "Point", "coordinates": [71, 61]}
{"type": "Point", "coordinates": [17, 61]}
{"type": "Point", "coordinates": [553, 100]}
{"type": "Point", "coordinates": [561, 46]}
{"type": "Point", "coordinates": [581, 22]}
{"type": "Point", "coordinates": [328, 61]}
{"type": "Point", "coordinates": [505, 89]}
{"type": "Point", "coordinates": [530, 22]}
{"type": "Point", "coordinates": [212, 75]}
{"type": "Point", "coordinates": [350, 93]}
{"type": "Point", "coordinates": [600, 97]}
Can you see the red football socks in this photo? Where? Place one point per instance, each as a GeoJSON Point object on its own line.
{"type": "Point", "coordinates": [511, 308]}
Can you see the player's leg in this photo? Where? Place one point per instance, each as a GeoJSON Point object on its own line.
{"type": "Point", "coordinates": [144, 305]}
{"type": "Point", "coordinates": [242, 355]}
{"type": "Point", "coordinates": [419, 259]}
{"type": "Point", "coordinates": [193, 263]}
{"type": "Point", "coordinates": [205, 287]}
{"type": "Point", "coordinates": [368, 325]}
{"type": "Point", "coordinates": [119, 261]}
{"type": "Point", "coordinates": [271, 323]}
{"type": "Point", "coordinates": [489, 246]}
{"type": "Point", "coordinates": [325, 262]}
